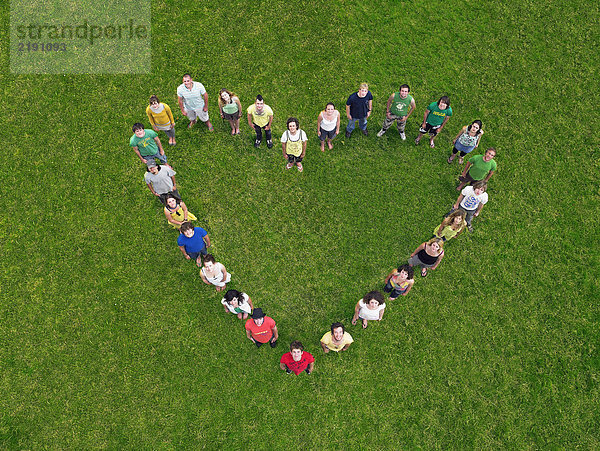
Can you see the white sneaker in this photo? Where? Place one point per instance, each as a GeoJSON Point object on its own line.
{"type": "Point", "coordinates": [403, 136]}
{"type": "Point", "coordinates": [380, 133]}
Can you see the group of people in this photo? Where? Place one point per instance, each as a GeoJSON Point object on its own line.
{"type": "Point", "coordinates": [194, 241]}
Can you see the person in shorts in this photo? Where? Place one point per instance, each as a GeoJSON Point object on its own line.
{"type": "Point", "coordinates": [231, 109]}
{"type": "Point", "coordinates": [399, 107]}
{"type": "Point", "coordinates": [161, 118]}
{"type": "Point", "coordinates": [436, 116]}
{"type": "Point", "coordinates": [193, 101]}
{"type": "Point", "coordinates": [260, 117]}
{"type": "Point", "coordinates": [161, 181]}
{"type": "Point", "coordinates": [261, 329]}
{"type": "Point", "coordinates": [193, 242]}
{"type": "Point", "coordinates": [146, 145]}
{"type": "Point", "coordinates": [293, 143]}
{"type": "Point", "coordinates": [328, 125]}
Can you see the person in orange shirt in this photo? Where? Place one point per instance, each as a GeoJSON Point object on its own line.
{"type": "Point", "coordinates": [261, 329]}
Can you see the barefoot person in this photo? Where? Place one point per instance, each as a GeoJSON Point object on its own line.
{"type": "Point", "coordinates": [161, 118]}
{"type": "Point", "coordinates": [369, 308]}
{"type": "Point", "coordinates": [328, 125]}
{"type": "Point", "coordinates": [214, 273]}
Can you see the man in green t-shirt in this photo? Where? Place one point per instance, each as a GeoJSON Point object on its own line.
{"type": "Point", "coordinates": [146, 145]}
{"type": "Point", "coordinates": [479, 167]}
{"type": "Point", "coordinates": [434, 120]}
{"type": "Point", "coordinates": [400, 105]}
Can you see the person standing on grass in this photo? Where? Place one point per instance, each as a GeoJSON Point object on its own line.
{"type": "Point", "coordinates": [193, 242]}
{"type": "Point", "coordinates": [358, 108]}
{"type": "Point", "coordinates": [261, 329]}
{"type": "Point", "coordinates": [328, 125]}
{"type": "Point", "coordinates": [369, 308]}
{"type": "Point", "coordinates": [297, 360]}
{"type": "Point", "coordinates": [161, 181]}
{"type": "Point", "coordinates": [399, 281]}
{"type": "Point", "coordinates": [176, 211]}
{"type": "Point", "coordinates": [435, 118]}
{"type": "Point", "coordinates": [214, 273]}
{"type": "Point", "coordinates": [293, 143]}
{"type": "Point", "coordinates": [237, 303]}
{"type": "Point", "coordinates": [478, 168]}
{"type": "Point", "coordinates": [161, 118]}
{"type": "Point", "coordinates": [471, 200]}
{"type": "Point", "coordinates": [466, 141]}
{"type": "Point", "coordinates": [260, 117]}
{"type": "Point", "coordinates": [400, 106]}
{"type": "Point", "coordinates": [193, 101]}
{"type": "Point", "coordinates": [231, 109]}
{"type": "Point", "coordinates": [452, 226]}
{"type": "Point", "coordinates": [337, 339]}
{"type": "Point", "coordinates": [427, 255]}
{"type": "Point", "coordinates": [146, 145]}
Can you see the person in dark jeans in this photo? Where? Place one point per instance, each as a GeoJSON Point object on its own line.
{"type": "Point", "coordinates": [260, 117]}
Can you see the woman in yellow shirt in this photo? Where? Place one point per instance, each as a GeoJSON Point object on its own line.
{"type": "Point", "coordinates": [161, 118]}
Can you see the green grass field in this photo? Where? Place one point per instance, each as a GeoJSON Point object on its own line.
{"type": "Point", "coordinates": [109, 338]}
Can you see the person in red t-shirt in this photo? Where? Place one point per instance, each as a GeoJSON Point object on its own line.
{"type": "Point", "coordinates": [297, 360]}
{"type": "Point", "coordinates": [261, 329]}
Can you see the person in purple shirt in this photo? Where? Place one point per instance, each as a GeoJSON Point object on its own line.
{"type": "Point", "coordinates": [358, 108]}
{"type": "Point", "coordinates": [193, 242]}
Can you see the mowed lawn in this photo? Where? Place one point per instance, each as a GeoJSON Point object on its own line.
{"type": "Point", "coordinates": [109, 338]}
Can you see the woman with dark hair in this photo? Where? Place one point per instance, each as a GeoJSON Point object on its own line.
{"type": "Point", "coordinates": [237, 303]}
{"type": "Point", "coordinates": [231, 109]}
{"type": "Point", "coordinates": [328, 125]}
{"type": "Point", "coordinates": [466, 141]}
{"type": "Point", "coordinates": [369, 308]}
{"type": "Point", "coordinates": [293, 143]}
{"type": "Point", "coordinates": [176, 212]}
{"type": "Point", "coordinates": [161, 118]}
{"type": "Point", "coordinates": [214, 273]}
{"type": "Point", "coordinates": [434, 120]}
{"type": "Point", "coordinates": [427, 255]}
{"type": "Point", "coordinates": [399, 281]}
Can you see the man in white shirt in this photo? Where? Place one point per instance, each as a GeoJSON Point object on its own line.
{"type": "Point", "coordinates": [193, 101]}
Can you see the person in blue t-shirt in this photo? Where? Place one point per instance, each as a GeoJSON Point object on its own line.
{"type": "Point", "coordinates": [193, 242]}
{"type": "Point", "coordinates": [358, 108]}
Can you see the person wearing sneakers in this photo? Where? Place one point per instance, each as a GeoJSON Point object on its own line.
{"type": "Point", "coordinates": [193, 101]}
{"type": "Point", "coordinates": [400, 106]}
{"type": "Point", "coordinates": [293, 142]}
{"type": "Point", "coordinates": [260, 117]}
{"type": "Point", "coordinates": [261, 329]}
{"type": "Point", "coordinates": [435, 118]}
{"type": "Point", "coordinates": [358, 108]}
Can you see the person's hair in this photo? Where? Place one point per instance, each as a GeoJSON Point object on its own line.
{"type": "Point", "coordinates": [187, 75]}
{"type": "Point", "coordinates": [187, 225]}
{"type": "Point", "coordinates": [480, 184]}
{"type": "Point", "coordinates": [220, 99]}
{"type": "Point", "coordinates": [137, 126]}
{"type": "Point", "coordinates": [335, 326]}
{"type": "Point", "coordinates": [290, 120]}
{"type": "Point", "coordinates": [478, 122]}
{"type": "Point", "coordinates": [296, 345]}
{"type": "Point", "coordinates": [373, 295]}
{"type": "Point", "coordinates": [234, 294]}
{"type": "Point", "coordinates": [449, 220]}
{"type": "Point", "coordinates": [153, 98]}
{"type": "Point", "coordinates": [157, 166]}
{"type": "Point", "coordinates": [437, 240]}
{"type": "Point", "coordinates": [408, 269]}
{"type": "Point", "coordinates": [492, 149]}
{"type": "Point", "coordinates": [259, 97]}
{"type": "Point", "coordinates": [170, 196]}
{"type": "Point", "coordinates": [404, 86]}
{"type": "Point", "coordinates": [444, 99]}
{"type": "Point", "coordinates": [330, 103]}
{"type": "Point", "coordinates": [364, 85]}
{"type": "Point", "coordinates": [209, 258]}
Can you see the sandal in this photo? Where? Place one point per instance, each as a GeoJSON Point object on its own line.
{"type": "Point", "coordinates": [289, 166]}
{"type": "Point", "coordinates": [423, 272]}
{"type": "Point", "coordinates": [431, 143]}
{"type": "Point", "coordinates": [300, 168]}
{"type": "Point", "coordinates": [449, 160]}
{"type": "Point", "coordinates": [460, 160]}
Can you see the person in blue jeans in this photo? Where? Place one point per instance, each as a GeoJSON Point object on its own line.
{"type": "Point", "coordinates": [193, 242]}
{"type": "Point", "coordinates": [358, 108]}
